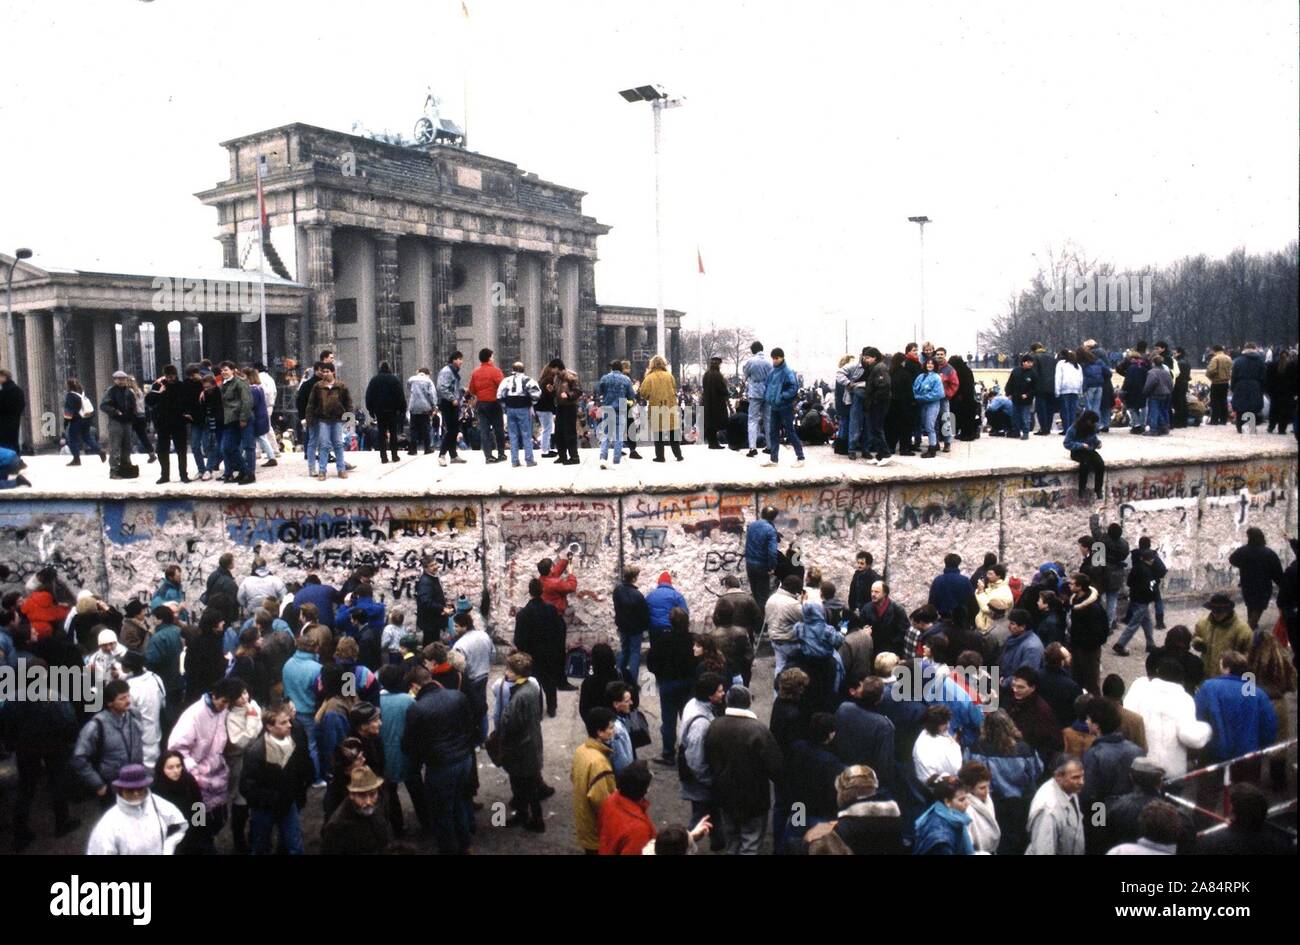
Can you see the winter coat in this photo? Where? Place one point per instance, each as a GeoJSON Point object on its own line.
{"type": "Point", "coordinates": [994, 597]}
{"type": "Point", "coordinates": [519, 391]}
{"type": "Point", "coordinates": [658, 389]}
{"type": "Point", "coordinates": [1095, 374]}
{"type": "Point", "coordinates": [879, 386]}
{"type": "Point", "coordinates": [671, 656]}
{"type": "Point", "coordinates": [715, 401]}
{"type": "Point", "coordinates": [385, 396]}
{"type": "Point", "coordinates": [483, 383]}
{"type": "Point", "coordinates": [592, 777]}
{"type": "Point", "coordinates": [1022, 385]}
{"type": "Point", "coordinates": [817, 640]}
{"type": "Point", "coordinates": [1014, 775]}
{"type": "Point", "coordinates": [625, 827]}
{"type": "Point", "coordinates": [690, 742]}
{"type": "Point", "coordinates": [236, 401]}
{"type": "Point", "coordinates": [105, 745]}
{"type": "Point", "coordinates": [757, 370]}
{"type": "Point", "coordinates": [1241, 722]}
{"type": "Point", "coordinates": [615, 390]}
{"type": "Point", "coordinates": [927, 388]}
{"type": "Point", "coordinates": [1260, 568]}
{"type": "Point", "coordinates": [1159, 383]}
{"type": "Point", "coordinates": [152, 828]}
{"type": "Point", "coordinates": [761, 547]}
{"type": "Point", "coordinates": [1144, 580]}
{"type": "Point", "coordinates": [299, 677]}
{"type": "Point", "coordinates": [1069, 378]}
{"type": "Point", "coordinates": [166, 405]}
{"type": "Point", "coordinates": [1045, 367]}
{"type": "Point", "coordinates": [1019, 652]}
{"type": "Point", "coordinates": [942, 831]}
{"type": "Point", "coordinates": [1106, 767]}
{"type": "Point", "coordinates": [223, 582]}
{"type": "Point", "coordinates": [744, 758]}
{"type": "Point", "coordinates": [430, 601]}
{"type": "Point", "coordinates": [519, 724]}
{"type": "Point", "coordinates": [1219, 370]}
{"type": "Point", "coordinates": [1248, 375]}
{"type": "Point", "coordinates": [540, 632]}
{"type": "Point", "coordinates": [556, 588]}
{"type": "Point", "coordinates": [1169, 717]}
{"type": "Point", "coordinates": [782, 614]}
{"type": "Point", "coordinates": [1135, 371]}
{"type": "Point", "coordinates": [441, 727]}
{"type": "Point", "coordinates": [258, 586]}
{"type": "Point", "coordinates": [871, 828]}
{"type": "Point", "coordinates": [1117, 554]}
{"type": "Point", "coordinates": [782, 387]}
{"type": "Point", "coordinates": [119, 403]}
{"type": "Point", "coordinates": [276, 788]}
{"type": "Point", "coordinates": [951, 589]}
{"type": "Point", "coordinates": [660, 602]}
{"type": "Point", "coordinates": [348, 833]}
{"type": "Point", "coordinates": [1055, 823]}
{"type": "Point", "coordinates": [631, 613]}
{"type": "Point", "coordinates": [200, 736]}
{"type": "Point", "coordinates": [421, 396]}
{"type": "Point", "coordinates": [1073, 441]}
{"type": "Point", "coordinates": [329, 404]}
{"type": "Point", "coordinates": [1215, 639]}
{"type": "Point", "coordinates": [42, 612]}
{"type": "Point", "coordinates": [449, 386]}
{"type": "Point", "coordinates": [889, 628]}
{"type": "Point", "coordinates": [865, 737]}
{"type": "Point", "coordinates": [261, 416]}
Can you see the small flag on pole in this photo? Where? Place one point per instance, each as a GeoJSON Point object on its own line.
{"type": "Point", "coordinates": [699, 259]}
{"type": "Point", "coordinates": [464, 9]}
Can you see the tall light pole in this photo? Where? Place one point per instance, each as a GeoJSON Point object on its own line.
{"type": "Point", "coordinates": [659, 100]}
{"type": "Point", "coordinates": [921, 222]}
{"type": "Point", "coordinates": [20, 253]}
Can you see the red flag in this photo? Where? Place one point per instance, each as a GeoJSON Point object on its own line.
{"type": "Point", "coordinates": [699, 259]}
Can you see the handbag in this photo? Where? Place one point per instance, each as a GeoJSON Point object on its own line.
{"type": "Point", "coordinates": [638, 729]}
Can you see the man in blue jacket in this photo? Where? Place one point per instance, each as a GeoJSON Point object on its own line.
{"type": "Point", "coordinates": [757, 370]}
{"type": "Point", "coordinates": [661, 602]}
{"type": "Point", "coordinates": [1241, 716]}
{"type": "Point", "coordinates": [782, 392]}
{"type": "Point", "coordinates": [761, 552]}
{"type": "Point", "coordinates": [952, 589]}
{"type": "Point", "coordinates": [614, 391]}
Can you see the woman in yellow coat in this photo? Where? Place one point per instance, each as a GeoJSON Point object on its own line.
{"type": "Point", "coordinates": [659, 390]}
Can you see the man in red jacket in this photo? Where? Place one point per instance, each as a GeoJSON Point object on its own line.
{"type": "Point", "coordinates": [625, 824]}
{"type": "Point", "coordinates": [483, 384]}
{"type": "Point", "coordinates": [950, 384]}
{"type": "Point", "coordinates": [556, 588]}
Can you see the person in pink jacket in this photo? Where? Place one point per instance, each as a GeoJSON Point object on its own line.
{"type": "Point", "coordinates": [200, 735]}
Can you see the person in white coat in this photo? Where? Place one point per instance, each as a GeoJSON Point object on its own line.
{"type": "Point", "coordinates": [148, 698]}
{"type": "Point", "coordinates": [258, 586]}
{"type": "Point", "coordinates": [1169, 714]}
{"type": "Point", "coordinates": [1069, 386]}
{"type": "Point", "coordinates": [243, 725]}
{"type": "Point", "coordinates": [936, 751]}
{"type": "Point", "coordinates": [985, 834]}
{"type": "Point", "coordinates": [140, 823]}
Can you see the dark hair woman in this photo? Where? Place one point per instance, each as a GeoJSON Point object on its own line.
{"type": "Point", "coordinates": [1082, 442]}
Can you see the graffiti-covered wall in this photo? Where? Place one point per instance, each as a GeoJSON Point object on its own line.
{"type": "Point", "coordinates": [489, 548]}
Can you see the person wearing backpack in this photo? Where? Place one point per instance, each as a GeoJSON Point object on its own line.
{"type": "Point", "coordinates": [692, 767]}
{"type": "Point", "coordinates": [518, 741]}
{"type": "Point", "coordinates": [78, 415]}
{"type": "Point", "coordinates": [112, 739]}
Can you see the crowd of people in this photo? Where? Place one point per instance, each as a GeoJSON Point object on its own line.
{"type": "Point", "coordinates": [915, 402]}
{"type": "Point", "coordinates": [974, 719]}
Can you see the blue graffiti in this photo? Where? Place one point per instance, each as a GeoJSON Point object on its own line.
{"type": "Point", "coordinates": [118, 530]}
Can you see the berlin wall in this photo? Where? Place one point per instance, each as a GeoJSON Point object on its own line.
{"type": "Point", "coordinates": [1196, 514]}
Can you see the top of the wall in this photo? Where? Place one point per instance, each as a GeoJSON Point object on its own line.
{"type": "Point", "coordinates": [703, 469]}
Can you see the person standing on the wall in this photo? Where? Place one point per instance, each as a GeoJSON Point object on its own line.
{"type": "Point", "coordinates": [12, 404]}
{"type": "Point", "coordinates": [421, 400]}
{"type": "Point", "coordinates": [756, 371]}
{"type": "Point", "coordinates": [483, 384]}
{"type": "Point", "coordinates": [329, 403]}
{"type": "Point", "coordinates": [119, 406]}
{"type": "Point", "coordinates": [451, 392]}
{"type": "Point", "coordinates": [80, 425]}
{"type": "Point", "coordinates": [546, 406]}
{"type": "Point", "coordinates": [567, 394]}
{"type": "Point", "coordinates": [386, 402]}
{"type": "Point", "coordinates": [237, 425]}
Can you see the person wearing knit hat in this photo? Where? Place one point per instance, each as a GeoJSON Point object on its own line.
{"type": "Point", "coordinates": [358, 827]}
{"type": "Point", "coordinates": [661, 602]}
{"type": "Point", "coordinates": [140, 823]}
{"type": "Point", "coordinates": [105, 663]}
{"type": "Point", "coordinates": [744, 758]}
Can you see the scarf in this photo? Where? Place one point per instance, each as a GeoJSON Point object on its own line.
{"type": "Point", "coordinates": [278, 750]}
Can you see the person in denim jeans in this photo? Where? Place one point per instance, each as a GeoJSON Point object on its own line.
{"type": "Point", "coordinates": [237, 424]}
{"type": "Point", "coordinates": [79, 429]}
{"type": "Point", "coordinates": [927, 391]}
{"type": "Point", "coordinates": [757, 370]}
{"type": "Point", "coordinates": [614, 392]}
{"type": "Point", "coordinates": [781, 392]}
{"type": "Point", "coordinates": [277, 771]}
{"type": "Point", "coordinates": [1021, 387]}
{"type": "Point", "coordinates": [672, 660]}
{"type": "Point", "coordinates": [329, 403]}
{"type": "Point", "coordinates": [518, 393]}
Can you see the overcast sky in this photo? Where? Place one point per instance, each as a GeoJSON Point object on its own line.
{"type": "Point", "coordinates": [1142, 132]}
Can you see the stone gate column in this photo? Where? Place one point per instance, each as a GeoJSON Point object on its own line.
{"type": "Point", "coordinates": [588, 350]}
{"type": "Point", "coordinates": [444, 331]}
{"type": "Point", "coordinates": [509, 331]}
{"type": "Point", "coordinates": [426, 340]}
{"type": "Point", "coordinates": [675, 351]}
{"type": "Point", "coordinates": [40, 378]}
{"type": "Point", "coordinates": [65, 353]}
{"type": "Point", "coordinates": [132, 354]}
{"type": "Point", "coordinates": [552, 342]}
{"type": "Point", "coordinates": [229, 250]}
{"type": "Point", "coordinates": [191, 347]}
{"type": "Point", "coordinates": [320, 276]}
{"type": "Point", "coordinates": [387, 317]}
{"type": "Point", "coordinates": [248, 341]}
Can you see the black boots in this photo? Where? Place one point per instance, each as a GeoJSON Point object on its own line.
{"type": "Point", "coordinates": [239, 828]}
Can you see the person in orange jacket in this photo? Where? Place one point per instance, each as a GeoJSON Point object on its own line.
{"type": "Point", "coordinates": [41, 608]}
{"type": "Point", "coordinates": [625, 824]}
{"type": "Point", "coordinates": [556, 588]}
{"type": "Point", "coordinates": [483, 384]}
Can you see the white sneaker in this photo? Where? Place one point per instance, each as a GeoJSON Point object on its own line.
{"type": "Point", "coordinates": [798, 464]}
{"type": "Point", "coordinates": [442, 460]}
{"type": "Point", "coordinates": [768, 462]}
{"type": "Point", "coordinates": [883, 461]}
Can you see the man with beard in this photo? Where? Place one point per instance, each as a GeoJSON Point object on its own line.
{"type": "Point", "coordinates": [356, 829]}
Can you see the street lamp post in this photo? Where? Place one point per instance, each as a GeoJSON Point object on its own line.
{"type": "Point", "coordinates": [659, 100]}
{"type": "Point", "coordinates": [21, 253]}
{"type": "Point", "coordinates": [921, 221]}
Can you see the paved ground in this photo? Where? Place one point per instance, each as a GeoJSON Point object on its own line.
{"type": "Point", "coordinates": [421, 475]}
{"type": "Point", "coordinates": [561, 736]}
